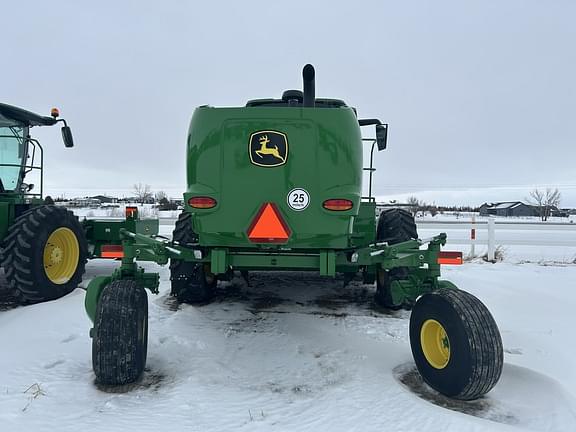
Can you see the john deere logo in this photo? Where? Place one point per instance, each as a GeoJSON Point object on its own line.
{"type": "Point", "coordinates": [268, 148]}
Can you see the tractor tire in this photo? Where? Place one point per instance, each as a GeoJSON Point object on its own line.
{"type": "Point", "coordinates": [394, 226]}
{"type": "Point", "coordinates": [120, 334]}
{"type": "Point", "coordinates": [44, 254]}
{"type": "Point", "coordinates": [191, 282]}
{"type": "Point", "coordinates": [456, 344]}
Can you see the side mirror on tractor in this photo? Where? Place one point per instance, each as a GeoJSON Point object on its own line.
{"type": "Point", "coordinates": [381, 136]}
{"type": "Point", "coordinates": [67, 137]}
{"type": "Point", "coordinates": [381, 131]}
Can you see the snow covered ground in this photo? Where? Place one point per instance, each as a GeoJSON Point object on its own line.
{"type": "Point", "coordinates": [292, 352]}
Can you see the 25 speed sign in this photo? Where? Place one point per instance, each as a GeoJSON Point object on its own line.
{"type": "Point", "coordinates": [298, 199]}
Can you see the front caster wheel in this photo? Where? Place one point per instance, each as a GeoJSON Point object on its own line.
{"type": "Point", "coordinates": [120, 334]}
{"type": "Point", "coordinates": [456, 344]}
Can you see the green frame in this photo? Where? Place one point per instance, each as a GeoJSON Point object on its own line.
{"type": "Point", "coordinates": [423, 263]}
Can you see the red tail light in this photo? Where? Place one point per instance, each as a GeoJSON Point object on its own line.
{"type": "Point", "coordinates": [112, 251]}
{"type": "Point", "coordinates": [337, 204]}
{"type": "Point", "coordinates": [131, 212]}
{"type": "Point", "coordinates": [448, 257]}
{"type": "Point", "coordinates": [202, 202]}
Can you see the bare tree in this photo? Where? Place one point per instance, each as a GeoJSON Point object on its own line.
{"type": "Point", "coordinates": [164, 202]}
{"type": "Point", "coordinates": [537, 200]}
{"type": "Point", "coordinates": [414, 204]}
{"type": "Point", "coordinates": [143, 192]}
{"type": "Point", "coordinates": [545, 202]}
{"type": "Point", "coordinates": [160, 196]}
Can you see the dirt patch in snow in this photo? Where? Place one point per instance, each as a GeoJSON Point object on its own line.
{"type": "Point", "coordinates": [266, 300]}
{"type": "Point", "coordinates": [295, 292]}
{"type": "Point", "coordinates": [348, 296]}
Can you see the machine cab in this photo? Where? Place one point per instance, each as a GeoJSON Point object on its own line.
{"type": "Point", "coordinates": [13, 157]}
{"type": "Point", "coordinates": [20, 154]}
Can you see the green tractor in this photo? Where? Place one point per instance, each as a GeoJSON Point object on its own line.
{"type": "Point", "coordinates": [44, 247]}
{"type": "Point", "coordinates": [277, 185]}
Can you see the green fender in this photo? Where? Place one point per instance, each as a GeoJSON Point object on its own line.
{"type": "Point", "coordinates": [93, 292]}
{"type": "Point", "coordinates": [446, 284]}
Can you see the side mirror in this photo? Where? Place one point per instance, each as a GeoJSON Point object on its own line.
{"type": "Point", "coordinates": [67, 137]}
{"type": "Point", "coordinates": [381, 136]}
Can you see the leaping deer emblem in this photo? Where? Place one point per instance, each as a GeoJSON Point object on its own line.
{"type": "Point", "coordinates": [273, 151]}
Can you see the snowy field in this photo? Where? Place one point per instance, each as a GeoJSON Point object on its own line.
{"type": "Point", "coordinates": [292, 352]}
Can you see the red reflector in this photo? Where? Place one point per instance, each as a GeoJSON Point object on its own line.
{"type": "Point", "coordinates": [131, 212]}
{"type": "Point", "coordinates": [268, 226]}
{"type": "Point", "coordinates": [202, 202]}
{"type": "Point", "coordinates": [111, 251]}
{"type": "Point", "coordinates": [450, 258]}
{"type": "Point", "coordinates": [337, 204]}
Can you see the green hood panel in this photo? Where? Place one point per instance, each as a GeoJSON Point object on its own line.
{"type": "Point", "coordinates": [245, 157]}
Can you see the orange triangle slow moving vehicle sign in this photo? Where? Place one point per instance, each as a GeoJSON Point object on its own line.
{"type": "Point", "coordinates": [268, 226]}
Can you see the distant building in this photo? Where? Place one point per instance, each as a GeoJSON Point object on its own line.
{"type": "Point", "coordinates": [149, 200]}
{"type": "Point", "coordinates": [105, 199]}
{"type": "Point", "coordinates": [84, 202]}
{"type": "Point", "coordinates": [508, 208]}
{"type": "Point", "coordinates": [555, 211]}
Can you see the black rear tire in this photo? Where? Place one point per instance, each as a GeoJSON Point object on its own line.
{"type": "Point", "coordinates": [120, 334]}
{"type": "Point", "coordinates": [23, 250]}
{"type": "Point", "coordinates": [394, 226]}
{"type": "Point", "coordinates": [191, 282]}
{"type": "Point", "coordinates": [456, 344]}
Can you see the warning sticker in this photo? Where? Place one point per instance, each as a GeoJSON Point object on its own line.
{"type": "Point", "coordinates": [298, 199]}
{"type": "Point", "coordinates": [268, 226]}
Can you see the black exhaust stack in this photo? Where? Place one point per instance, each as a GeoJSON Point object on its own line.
{"type": "Point", "coordinates": [309, 88]}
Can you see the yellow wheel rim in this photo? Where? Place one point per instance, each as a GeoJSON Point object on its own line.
{"type": "Point", "coordinates": [61, 254]}
{"type": "Point", "coordinates": [435, 344]}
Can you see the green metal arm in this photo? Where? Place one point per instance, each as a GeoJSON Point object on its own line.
{"type": "Point", "coordinates": [143, 248]}
{"type": "Point", "coordinates": [147, 248]}
{"type": "Point", "coordinates": [377, 256]}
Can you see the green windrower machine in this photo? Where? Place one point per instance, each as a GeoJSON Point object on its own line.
{"type": "Point", "coordinates": [277, 185]}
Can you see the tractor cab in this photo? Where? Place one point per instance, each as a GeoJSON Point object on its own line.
{"type": "Point", "coordinates": [20, 154]}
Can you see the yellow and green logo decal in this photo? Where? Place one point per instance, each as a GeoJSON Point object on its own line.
{"type": "Point", "coordinates": [268, 148]}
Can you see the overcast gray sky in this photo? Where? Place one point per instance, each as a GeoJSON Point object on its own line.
{"type": "Point", "coordinates": [480, 95]}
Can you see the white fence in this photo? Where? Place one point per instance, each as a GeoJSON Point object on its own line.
{"type": "Point", "coordinates": [493, 232]}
